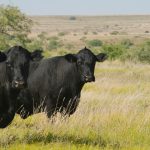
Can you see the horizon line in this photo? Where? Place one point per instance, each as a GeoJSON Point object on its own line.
{"type": "Point", "coordinates": [101, 15]}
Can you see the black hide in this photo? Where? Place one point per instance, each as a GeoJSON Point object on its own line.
{"type": "Point", "coordinates": [55, 84]}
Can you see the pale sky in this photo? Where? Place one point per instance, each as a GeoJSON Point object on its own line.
{"type": "Point", "coordinates": [81, 7]}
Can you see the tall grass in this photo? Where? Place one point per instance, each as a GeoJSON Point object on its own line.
{"type": "Point", "coordinates": [114, 113]}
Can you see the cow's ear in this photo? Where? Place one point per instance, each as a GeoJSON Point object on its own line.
{"type": "Point", "coordinates": [36, 55]}
{"type": "Point", "coordinates": [71, 57]}
{"type": "Point", "coordinates": [101, 57]}
{"type": "Point", "coordinates": [3, 57]}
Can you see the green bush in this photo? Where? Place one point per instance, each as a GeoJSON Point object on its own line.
{"type": "Point", "coordinates": [86, 32]}
{"type": "Point", "coordinates": [4, 44]}
{"type": "Point", "coordinates": [14, 27]}
{"type": "Point", "coordinates": [127, 43]}
{"type": "Point", "coordinates": [40, 42]}
{"type": "Point", "coordinates": [114, 32]}
{"type": "Point", "coordinates": [95, 33]}
{"type": "Point", "coordinates": [62, 33]}
{"type": "Point", "coordinates": [35, 44]}
{"type": "Point", "coordinates": [114, 51]}
{"type": "Point", "coordinates": [53, 38]}
{"type": "Point", "coordinates": [95, 43]}
{"type": "Point", "coordinates": [144, 52]}
{"type": "Point", "coordinates": [54, 44]}
{"type": "Point", "coordinates": [69, 46]}
{"type": "Point", "coordinates": [42, 35]}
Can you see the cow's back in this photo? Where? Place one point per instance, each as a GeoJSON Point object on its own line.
{"type": "Point", "coordinates": [52, 75]}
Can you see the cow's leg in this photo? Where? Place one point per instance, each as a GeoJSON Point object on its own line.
{"type": "Point", "coordinates": [24, 113]}
{"type": "Point", "coordinates": [7, 118]}
{"type": "Point", "coordinates": [24, 105]}
{"type": "Point", "coordinates": [8, 115]}
{"type": "Point", "coordinates": [50, 108]}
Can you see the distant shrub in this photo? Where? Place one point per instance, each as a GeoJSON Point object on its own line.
{"type": "Point", "coordinates": [42, 35]}
{"type": "Point", "coordinates": [69, 46]}
{"type": "Point", "coordinates": [72, 18]}
{"type": "Point", "coordinates": [144, 52]}
{"type": "Point", "coordinates": [83, 38]}
{"type": "Point", "coordinates": [85, 33]}
{"type": "Point", "coordinates": [114, 33]}
{"type": "Point", "coordinates": [122, 33]}
{"type": "Point", "coordinates": [95, 43]}
{"type": "Point", "coordinates": [123, 51]}
{"type": "Point", "coordinates": [54, 44]}
{"type": "Point", "coordinates": [62, 33]}
{"type": "Point", "coordinates": [35, 44]}
{"type": "Point", "coordinates": [127, 43]}
{"type": "Point", "coordinates": [114, 51]}
{"type": "Point", "coordinates": [94, 32]}
{"type": "Point", "coordinates": [53, 38]}
{"type": "Point", "coordinates": [146, 31]}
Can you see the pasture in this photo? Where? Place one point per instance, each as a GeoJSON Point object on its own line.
{"type": "Point", "coordinates": [114, 111]}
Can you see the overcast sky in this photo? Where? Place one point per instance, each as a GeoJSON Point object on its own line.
{"type": "Point", "coordinates": [81, 7]}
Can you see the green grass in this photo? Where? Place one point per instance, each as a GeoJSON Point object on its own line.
{"type": "Point", "coordinates": [114, 113]}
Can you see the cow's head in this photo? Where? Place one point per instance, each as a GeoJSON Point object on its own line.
{"type": "Point", "coordinates": [2, 57]}
{"type": "Point", "coordinates": [18, 60]}
{"type": "Point", "coordinates": [85, 61]}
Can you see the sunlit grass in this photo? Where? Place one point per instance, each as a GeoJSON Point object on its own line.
{"type": "Point", "coordinates": [114, 113]}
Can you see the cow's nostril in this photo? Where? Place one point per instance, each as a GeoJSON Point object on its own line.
{"type": "Point", "coordinates": [86, 77]}
{"type": "Point", "coordinates": [89, 78]}
{"type": "Point", "coordinates": [16, 82]}
{"type": "Point", "coordinates": [19, 84]}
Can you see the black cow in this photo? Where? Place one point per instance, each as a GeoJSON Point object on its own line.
{"type": "Point", "coordinates": [13, 77]}
{"type": "Point", "coordinates": [2, 57]}
{"type": "Point", "coordinates": [55, 85]}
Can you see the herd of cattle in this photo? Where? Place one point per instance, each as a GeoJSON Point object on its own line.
{"type": "Point", "coordinates": [30, 84]}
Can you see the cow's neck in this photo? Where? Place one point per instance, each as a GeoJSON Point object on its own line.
{"type": "Point", "coordinates": [81, 86]}
{"type": "Point", "coordinates": [4, 73]}
{"type": "Point", "coordinates": [33, 66]}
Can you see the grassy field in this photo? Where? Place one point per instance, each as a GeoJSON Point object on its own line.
{"type": "Point", "coordinates": [114, 113]}
{"type": "Point", "coordinates": [106, 28]}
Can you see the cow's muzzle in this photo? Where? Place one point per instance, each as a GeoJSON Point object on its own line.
{"type": "Point", "coordinates": [18, 84]}
{"type": "Point", "coordinates": [89, 78]}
